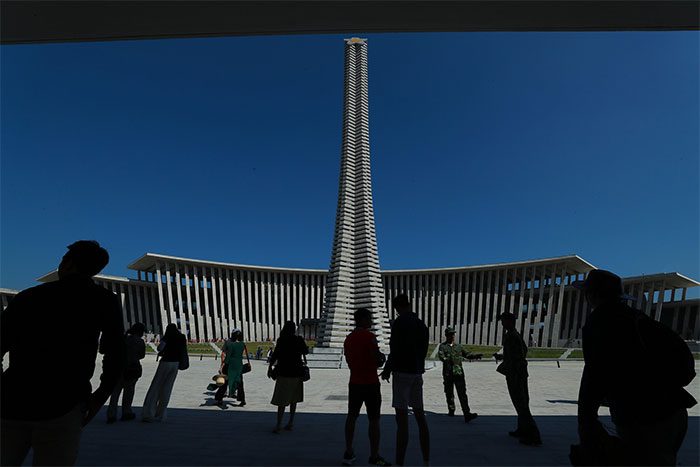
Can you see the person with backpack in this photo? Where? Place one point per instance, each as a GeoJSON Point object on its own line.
{"type": "Point", "coordinates": [645, 393]}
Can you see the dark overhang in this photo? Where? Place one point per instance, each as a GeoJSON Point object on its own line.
{"type": "Point", "coordinates": [93, 20]}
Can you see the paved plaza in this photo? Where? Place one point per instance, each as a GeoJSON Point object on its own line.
{"type": "Point", "coordinates": [197, 432]}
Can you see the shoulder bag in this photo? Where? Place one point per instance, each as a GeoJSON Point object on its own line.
{"type": "Point", "coordinates": [246, 366]}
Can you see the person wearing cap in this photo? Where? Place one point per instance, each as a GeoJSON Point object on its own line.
{"type": "Point", "coordinates": [514, 368]}
{"type": "Point", "coordinates": [451, 356]}
{"type": "Point", "coordinates": [647, 405]}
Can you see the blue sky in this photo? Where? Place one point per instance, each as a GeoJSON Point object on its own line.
{"type": "Point", "coordinates": [486, 147]}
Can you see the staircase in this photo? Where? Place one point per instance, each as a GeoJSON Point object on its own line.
{"type": "Point", "coordinates": [325, 357]}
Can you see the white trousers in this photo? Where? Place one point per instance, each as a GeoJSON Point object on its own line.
{"type": "Point", "coordinates": [158, 395]}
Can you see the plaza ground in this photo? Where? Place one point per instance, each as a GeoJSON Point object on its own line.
{"type": "Point", "coordinates": [197, 432]}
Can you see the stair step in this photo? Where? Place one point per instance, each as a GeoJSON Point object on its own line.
{"type": "Point", "coordinates": [334, 364]}
{"type": "Point", "coordinates": [322, 356]}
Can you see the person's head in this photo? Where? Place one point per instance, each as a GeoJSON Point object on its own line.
{"type": "Point", "coordinates": [84, 258]}
{"type": "Point", "coordinates": [171, 332]}
{"type": "Point", "coordinates": [450, 335]}
{"type": "Point", "coordinates": [234, 335]}
{"type": "Point", "coordinates": [508, 321]}
{"type": "Point", "coordinates": [239, 336]}
{"type": "Point", "coordinates": [601, 287]}
{"type": "Point", "coordinates": [288, 330]}
{"type": "Point", "coordinates": [363, 318]}
{"type": "Point", "coordinates": [138, 329]}
{"type": "Point", "coordinates": [401, 304]}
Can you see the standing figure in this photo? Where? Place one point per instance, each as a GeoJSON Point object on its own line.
{"type": "Point", "coordinates": [287, 369]}
{"type": "Point", "coordinates": [173, 357]}
{"type": "Point", "coordinates": [451, 356]}
{"type": "Point", "coordinates": [646, 395]}
{"type": "Point", "coordinates": [232, 368]}
{"type": "Point", "coordinates": [408, 347]}
{"type": "Point", "coordinates": [135, 352]}
{"type": "Point", "coordinates": [69, 317]}
{"type": "Point", "coordinates": [363, 357]}
{"type": "Point", "coordinates": [514, 367]}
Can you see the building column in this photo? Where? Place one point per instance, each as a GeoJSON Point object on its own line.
{"type": "Point", "coordinates": [191, 317]}
{"type": "Point", "coordinates": [161, 301]}
{"type": "Point", "coordinates": [558, 312]}
{"type": "Point", "coordinates": [180, 309]}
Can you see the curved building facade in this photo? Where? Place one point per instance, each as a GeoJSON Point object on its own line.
{"type": "Point", "coordinates": [209, 299]}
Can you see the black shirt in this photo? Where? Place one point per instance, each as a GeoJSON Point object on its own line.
{"type": "Point", "coordinates": [175, 348]}
{"type": "Point", "coordinates": [408, 345]}
{"type": "Point", "coordinates": [288, 356]}
{"type": "Point", "coordinates": [52, 333]}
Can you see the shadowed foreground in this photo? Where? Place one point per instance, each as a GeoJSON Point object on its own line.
{"type": "Point", "coordinates": [237, 437]}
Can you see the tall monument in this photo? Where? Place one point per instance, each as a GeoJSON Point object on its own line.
{"type": "Point", "coordinates": [353, 279]}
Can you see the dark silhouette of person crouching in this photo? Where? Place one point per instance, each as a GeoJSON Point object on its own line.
{"type": "Point", "coordinates": [68, 319]}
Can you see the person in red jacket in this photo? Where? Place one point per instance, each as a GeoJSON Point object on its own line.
{"type": "Point", "coordinates": [363, 357]}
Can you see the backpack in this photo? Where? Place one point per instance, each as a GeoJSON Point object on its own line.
{"type": "Point", "coordinates": [668, 355]}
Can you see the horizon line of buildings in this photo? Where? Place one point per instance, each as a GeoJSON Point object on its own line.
{"type": "Point", "coordinates": [209, 299]}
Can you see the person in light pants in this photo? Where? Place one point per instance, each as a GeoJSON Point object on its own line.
{"type": "Point", "coordinates": [173, 353]}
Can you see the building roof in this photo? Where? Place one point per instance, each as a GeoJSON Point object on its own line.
{"type": "Point", "coordinates": [574, 264]}
{"type": "Point", "coordinates": [148, 262]}
{"type": "Point", "coordinates": [670, 279]}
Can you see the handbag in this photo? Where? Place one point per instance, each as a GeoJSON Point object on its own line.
{"type": "Point", "coordinates": [305, 373]}
{"type": "Point", "coordinates": [246, 366]}
{"type": "Point", "coordinates": [184, 359]}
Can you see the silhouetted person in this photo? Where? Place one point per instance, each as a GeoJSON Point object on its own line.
{"type": "Point", "coordinates": [68, 318]}
{"type": "Point", "coordinates": [363, 357]}
{"type": "Point", "coordinates": [232, 368]}
{"type": "Point", "coordinates": [639, 366]}
{"type": "Point", "coordinates": [408, 347]}
{"type": "Point", "coordinates": [173, 357]}
{"type": "Point", "coordinates": [135, 352]}
{"type": "Point", "coordinates": [514, 367]}
{"type": "Point", "coordinates": [451, 355]}
{"type": "Point", "coordinates": [287, 369]}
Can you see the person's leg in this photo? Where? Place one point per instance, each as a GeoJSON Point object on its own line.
{"type": "Point", "coordinates": [355, 400]}
{"type": "Point", "coordinates": [280, 414]}
{"type": "Point", "coordinates": [128, 399]}
{"type": "Point", "coordinates": [527, 427]}
{"type": "Point", "coordinates": [15, 441]}
{"type": "Point", "coordinates": [57, 441]}
{"type": "Point", "coordinates": [151, 401]}
{"type": "Point", "coordinates": [292, 412]}
{"type": "Point", "coordinates": [114, 402]}
{"type": "Point", "coordinates": [423, 434]}
{"type": "Point", "coordinates": [349, 432]}
{"type": "Point", "coordinates": [220, 393]}
{"type": "Point", "coordinates": [461, 386]}
{"type": "Point", "coordinates": [373, 402]}
{"type": "Point", "coordinates": [401, 435]}
{"type": "Point", "coordinates": [241, 392]}
{"type": "Point", "coordinates": [515, 400]}
{"type": "Point", "coordinates": [447, 382]}
{"type": "Point", "coordinates": [165, 390]}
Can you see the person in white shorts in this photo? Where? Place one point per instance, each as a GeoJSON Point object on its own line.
{"type": "Point", "coordinates": [408, 347]}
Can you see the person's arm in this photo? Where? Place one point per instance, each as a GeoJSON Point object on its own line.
{"type": "Point", "coordinates": [388, 366]}
{"type": "Point", "coordinates": [441, 353]}
{"type": "Point", "coordinates": [142, 350]}
{"type": "Point", "coordinates": [304, 347]}
{"type": "Point", "coordinates": [113, 347]}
